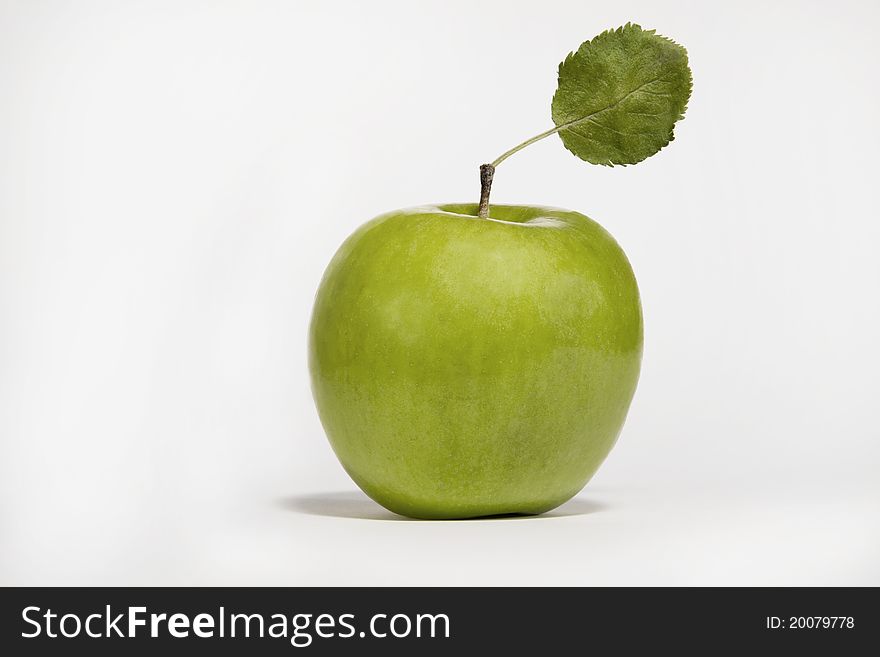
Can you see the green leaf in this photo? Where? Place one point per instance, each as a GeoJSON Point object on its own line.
{"type": "Point", "coordinates": [620, 95]}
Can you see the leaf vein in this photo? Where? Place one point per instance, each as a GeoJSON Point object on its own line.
{"type": "Point", "coordinates": [640, 133]}
{"type": "Point", "coordinates": [640, 88]}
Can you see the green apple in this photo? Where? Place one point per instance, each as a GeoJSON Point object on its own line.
{"type": "Point", "coordinates": [473, 360]}
{"type": "Point", "coordinates": [466, 366]}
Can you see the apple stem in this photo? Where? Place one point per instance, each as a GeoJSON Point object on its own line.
{"type": "Point", "coordinates": [487, 172]}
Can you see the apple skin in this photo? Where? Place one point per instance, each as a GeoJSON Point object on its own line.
{"type": "Point", "coordinates": [468, 367]}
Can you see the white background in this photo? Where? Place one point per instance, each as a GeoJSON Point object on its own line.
{"type": "Point", "coordinates": [175, 176]}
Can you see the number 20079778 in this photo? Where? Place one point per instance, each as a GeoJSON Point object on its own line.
{"type": "Point", "coordinates": [810, 622]}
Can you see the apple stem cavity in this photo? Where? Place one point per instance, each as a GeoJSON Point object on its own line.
{"type": "Point", "coordinates": [487, 172]}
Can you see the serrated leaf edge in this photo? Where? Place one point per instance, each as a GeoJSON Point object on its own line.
{"type": "Point", "coordinates": [681, 116]}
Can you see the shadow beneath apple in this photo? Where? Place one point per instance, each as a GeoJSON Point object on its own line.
{"type": "Point", "coordinates": [356, 505]}
{"type": "Point", "coordinates": [348, 504]}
